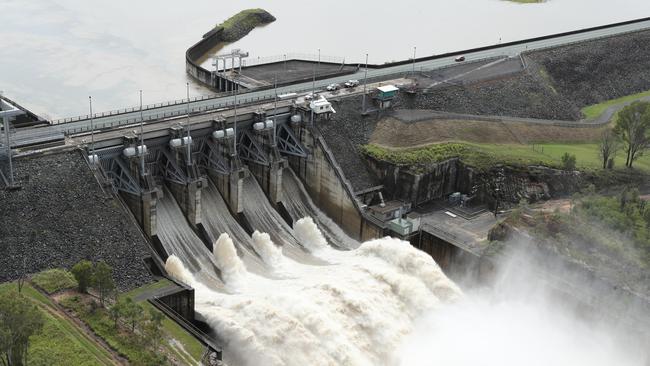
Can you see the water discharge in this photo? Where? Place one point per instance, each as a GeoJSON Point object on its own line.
{"type": "Point", "coordinates": [299, 204]}
{"type": "Point", "coordinates": [353, 311]}
{"type": "Point", "coordinates": [383, 303]}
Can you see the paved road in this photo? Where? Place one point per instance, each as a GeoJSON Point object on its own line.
{"type": "Point", "coordinates": [224, 101]}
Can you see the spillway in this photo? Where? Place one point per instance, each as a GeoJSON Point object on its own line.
{"type": "Point", "coordinates": [263, 217]}
{"type": "Point", "coordinates": [180, 240]}
{"type": "Point", "coordinates": [354, 310]}
{"type": "Point", "coordinates": [298, 203]}
{"type": "Point", "coordinates": [217, 220]}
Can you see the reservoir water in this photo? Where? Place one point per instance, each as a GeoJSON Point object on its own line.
{"type": "Point", "coordinates": [55, 53]}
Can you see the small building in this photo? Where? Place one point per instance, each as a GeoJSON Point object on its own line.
{"type": "Point", "coordinates": [385, 94]}
{"type": "Point", "coordinates": [321, 106]}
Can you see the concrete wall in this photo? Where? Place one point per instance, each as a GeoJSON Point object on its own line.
{"type": "Point", "coordinates": [195, 52]}
{"type": "Point", "coordinates": [327, 189]}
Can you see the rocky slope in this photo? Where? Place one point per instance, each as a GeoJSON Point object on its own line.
{"type": "Point", "coordinates": [60, 216]}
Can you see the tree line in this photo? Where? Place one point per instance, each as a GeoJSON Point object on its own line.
{"type": "Point", "coordinates": [631, 134]}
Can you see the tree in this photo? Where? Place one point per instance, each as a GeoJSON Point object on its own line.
{"type": "Point", "coordinates": [152, 330]}
{"type": "Point", "coordinates": [19, 320]}
{"type": "Point", "coordinates": [103, 280]}
{"type": "Point", "coordinates": [132, 312]}
{"type": "Point", "coordinates": [116, 311]}
{"type": "Point", "coordinates": [633, 127]}
{"type": "Point", "coordinates": [608, 146]}
{"type": "Point", "coordinates": [83, 273]}
{"type": "Point", "coordinates": [568, 161]}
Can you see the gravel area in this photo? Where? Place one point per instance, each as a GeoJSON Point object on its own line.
{"type": "Point", "coordinates": [60, 216]}
{"type": "Point", "coordinates": [519, 95]}
{"type": "Point", "coordinates": [344, 132]}
{"type": "Point", "coordinates": [591, 72]}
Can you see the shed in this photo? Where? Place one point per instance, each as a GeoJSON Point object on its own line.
{"type": "Point", "coordinates": [387, 92]}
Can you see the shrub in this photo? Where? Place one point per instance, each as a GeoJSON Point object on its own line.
{"type": "Point", "coordinates": [568, 161]}
{"type": "Point", "coordinates": [54, 280]}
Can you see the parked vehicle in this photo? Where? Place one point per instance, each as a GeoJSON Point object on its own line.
{"type": "Point", "coordinates": [460, 59]}
{"type": "Point", "coordinates": [351, 83]}
{"type": "Point", "coordinates": [333, 87]}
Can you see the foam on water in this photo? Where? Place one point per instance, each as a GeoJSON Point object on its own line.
{"type": "Point", "coordinates": [270, 253]}
{"type": "Point", "coordinates": [354, 311]}
{"type": "Point", "coordinates": [231, 266]}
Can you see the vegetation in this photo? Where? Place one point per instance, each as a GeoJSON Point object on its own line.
{"type": "Point", "coordinates": [102, 280]}
{"type": "Point", "coordinates": [126, 338]}
{"type": "Point", "coordinates": [568, 161]}
{"type": "Point", "coordinates": [60, 342]}
{"type": "Point", "coordinates": [83, 273]}
{"type": "Point", "coordinates": [527, 1]}
{"type": "Point", "coordinates": [608, 234]}
{"type": "Point", "coordinates": [54, 280]}
{"type": "Point", "coordinates": [484, 156]}
{"type": "Point", "coordinates": [19, 320]}
{"type": "Point", "coordinates": [608, 147]}
{"type": "Point", "coordinates": [594, 111]}
{"type": "Point", "coordinates": [136, 329]}
{"type": "Point", "coordinates": [243, 22]}
{"type": "Point", "coordinates": [633, 128]}
{"type": "Point", "coordinates": [192, 349]}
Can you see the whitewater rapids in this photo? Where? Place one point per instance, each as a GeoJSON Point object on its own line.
{"type": "Point", "coordinates": [354, 310]}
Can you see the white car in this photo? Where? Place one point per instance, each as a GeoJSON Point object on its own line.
{"type": "Point", "coordinates": [351, 83]}
{"type": "Point", "coordinates": [333, 87]}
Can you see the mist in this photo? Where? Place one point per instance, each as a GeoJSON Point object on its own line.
{"type": "Point", "coordinates": [521, 319]}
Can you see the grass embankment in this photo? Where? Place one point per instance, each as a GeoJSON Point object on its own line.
{"type": "Point", "coordinates": [61, 342]}
{"type": "Point", "coordinates": [240, 24]}
{"type": "Point", "coordinates": [596, 110]}
{"type": "Point", "coordinates": [485, 156]}
{"type": "Point", "coordinates": [187, 341]}
{"type": "Point", "coordinates": [177, 341]}
{"type": "Point", "coordinates": [53, 280]}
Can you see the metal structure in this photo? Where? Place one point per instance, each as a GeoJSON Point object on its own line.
{"type": "Point", "coordinates": [8, 112]}
{"type": "Point", "coordinates": [287, 142]}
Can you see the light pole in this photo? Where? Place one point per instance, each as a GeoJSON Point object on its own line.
{"type": "Point", "coordinates": [6, 112]}
{"type": "Point", "coordinates": [275, 107]}
{"type": "Point", "coordinates": [413, 69]}
{"type": "Point", "coordinates": [365, 82]}
{"type": "Point", "coordinates": [234, 140]}
{"type": "Point", "coordinates": [141, 138]}
{"type": "Point", "coordinates": [92, 130]}
{"type": "Point", "coordinates": [189, 137]}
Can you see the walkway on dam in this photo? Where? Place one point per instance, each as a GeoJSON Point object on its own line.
{"type": "Point", "coordinates": [82, 122]}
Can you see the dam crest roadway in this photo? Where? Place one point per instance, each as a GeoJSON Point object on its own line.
{"type": "Point", "coordinates": [75, 125]}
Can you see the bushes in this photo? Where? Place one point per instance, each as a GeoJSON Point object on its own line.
{"type": "Point", "coordinates": [568, 161]}
{"type": "Point", "coordinates": [99, 277]}
{"type": "Point", "coordinates": [54, 280]}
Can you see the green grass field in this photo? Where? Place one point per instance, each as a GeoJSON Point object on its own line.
{"type": "Point", "coordinates": [484, 156]}
{"type": "Point", "coordinates": [61, 342]}
{"type": "Point", "coordinates": [53, 280]}
{"type": "Point", "coordinates": [189, 343]}
{"type": "Point", "coordinates": [594, 111]}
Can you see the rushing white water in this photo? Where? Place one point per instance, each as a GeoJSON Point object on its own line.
{"type": "Point", "coordinates": [354, 311]}
{"type": "Point", "coordinates": [299, 204]}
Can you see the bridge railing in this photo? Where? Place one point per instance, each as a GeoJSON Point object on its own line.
{"type": "Point", "coordinates": [137, 108]}
{"type": "Point", "coordinates": [289, 57]}
{"type": "Point", "coordinates": [373, 76]}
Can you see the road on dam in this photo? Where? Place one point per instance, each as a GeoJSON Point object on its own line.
{"type": "Point", "coordinates": [82, 123]}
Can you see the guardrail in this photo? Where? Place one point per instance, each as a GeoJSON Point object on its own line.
{"type": "Point", "coordinates": [289, 57]}
{"type": "Point", "coordinates": [241, 101]}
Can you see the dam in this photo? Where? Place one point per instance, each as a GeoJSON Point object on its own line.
{"type": "Point", "coordinates": [284, 247]}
